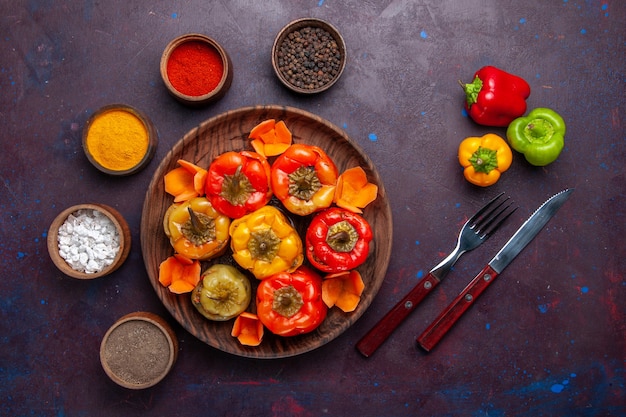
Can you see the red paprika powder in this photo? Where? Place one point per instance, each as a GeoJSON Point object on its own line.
{"type": "Point", "coordinates": [195, 68]}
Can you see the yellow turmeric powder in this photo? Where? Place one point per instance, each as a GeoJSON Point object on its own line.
{"type": "Point", "coordinates": [117, 140]}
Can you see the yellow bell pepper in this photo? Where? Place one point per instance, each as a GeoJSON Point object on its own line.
{"type": "Point", "coordinates": [196, 229]}
{"type": "Point", "coordinates": [484, 158]}
{"type": "Point", "coordinates": [265, 243]}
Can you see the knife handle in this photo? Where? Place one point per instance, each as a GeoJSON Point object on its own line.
{"type": "Point", "coordinates": [383, 329]}
{"type": "Point", "coordinates": [442, 324]}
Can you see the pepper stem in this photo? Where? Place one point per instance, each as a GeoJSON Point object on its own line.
{"type": "Point", "coordinates": [264, 245]}
{"type": "Point", "coordinates": [539, 130]}
{"type": "Point", "coordinates": [304, 182]}
{"type": "Point", "coordinates": [342, 236]}
{"type": "Point", "coordinates": [196, 225]}
{"type": "Point", "coordinates": [236, 188]}
{"type": "Point", "coordinates": [484, 160]}
{"type": "Point", "coordinates": [472, 90]}
{"type": "Point", "coordinates": [287, 301]}
{"type": "Point", "coordinates": [199, 229]}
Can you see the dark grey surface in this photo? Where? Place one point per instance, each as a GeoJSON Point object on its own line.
{"type": "Point", "coordinates": [547, 339]}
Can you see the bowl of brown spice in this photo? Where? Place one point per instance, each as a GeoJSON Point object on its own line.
{"type": "Point", "coordinates": [88, 241]}
{"type": "Point", "coordinates": [308, 55]}
{"type": "Point", "coordinates": [138, 350]}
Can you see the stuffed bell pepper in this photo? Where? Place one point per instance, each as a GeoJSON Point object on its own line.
{"type": "Point", "coordinates": [338, 240]}
{"type": "Point", "coordinates": [195, 229]}
{"type": "Point", "coordinates": [238, 183]}
{"type": "Point", "coordinates": [304, 179]}
{"type": "Point", "coordinates": [290, 303]}
{"type": "Point", "coordinates": [265, 243]}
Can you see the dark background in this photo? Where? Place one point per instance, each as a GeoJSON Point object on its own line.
{"type": "Point", "coordinates": [546, 339]}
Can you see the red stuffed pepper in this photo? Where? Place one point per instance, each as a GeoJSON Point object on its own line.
{"type": "Point", "coordinates": [238, 183]}
{"type": "Point", "coordinates": [304, 179]}
{"type": "Point", "coordinates": [495, 97]}
{"type": "Point", "coordinates": [337, 240]}
{"type": "Point", "coordinates": [289, 304]}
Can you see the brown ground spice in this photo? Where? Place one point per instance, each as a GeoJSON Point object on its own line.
{"type": "Point", "coordinates": [137, 352]}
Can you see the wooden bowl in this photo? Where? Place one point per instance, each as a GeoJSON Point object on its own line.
{"type": "Point", "coordinates": [227, 132]}
{"type": "Point", "coordinates": [104, 146]}
{"type": "Point", "coordinates": [120, 225]}
{"type": "Point", "coordinates": [139, 350]}
{"type": "Point", "coordinates": [278, 56]}
{"type": "Point", "coordinates": [216, 93]}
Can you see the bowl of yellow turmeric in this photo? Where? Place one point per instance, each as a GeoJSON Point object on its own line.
{"type": "Point", "coordinates": [119, 140]}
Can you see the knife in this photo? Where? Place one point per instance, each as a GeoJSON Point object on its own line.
{"type": "Point", "coordinates": [531, 227]}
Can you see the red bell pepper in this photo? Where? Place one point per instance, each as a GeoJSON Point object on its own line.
{"type": "Point", "coordinates": [238, 183]}
{"type": "Point", "coordinates": [495, 97]}
{"type": "Point", "coordinates": [304, 179]}
{"type": "Point", "coordinates": [337, 240]}
{"type": "Point", "coordinates": [290, 303]}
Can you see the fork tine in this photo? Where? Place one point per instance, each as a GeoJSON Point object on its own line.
{"type": "Point", "coordinates": [491, 216]}
{"type": "Point", "coordinates": [479, 213]}
{"type": "Point", "coordinates": [492, 225]}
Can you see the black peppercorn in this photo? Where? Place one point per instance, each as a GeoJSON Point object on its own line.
{"type": "Point", "coordinates": [309, 58]}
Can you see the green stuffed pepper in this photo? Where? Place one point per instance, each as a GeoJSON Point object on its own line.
{"type": "Point", "coordinates": [539, 136]}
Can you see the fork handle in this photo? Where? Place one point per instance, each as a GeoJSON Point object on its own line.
{"type": "Point", "coordinates": [444, 322]}
{"type": "Point", "coordinates": [383, 329]}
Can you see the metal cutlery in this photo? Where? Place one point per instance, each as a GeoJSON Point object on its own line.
{"type": "Point", "coordinates": [475, 231]}
{"type": "Point", "coordinates": [531, 227]}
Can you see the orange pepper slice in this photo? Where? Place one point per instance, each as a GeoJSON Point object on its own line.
{"type": "Point", "coordinates": [343, 290]}
{"type": "Point", "coordinates": [185, 182]}
{"type": "Point", "coordinates": [199, 175]}
{"type": "Point", "coordinates": [270, 138]}
{"type": "Point", "coordinates": [179, 274]}
{"type": "Point", "coordinates": [262, 128]}
{"type": "Point", "coordinates": [248, 329]}
{"type": "Point", "coordinates": [354, 192]}
{"type": "Point", "coordinates": [179, 183]}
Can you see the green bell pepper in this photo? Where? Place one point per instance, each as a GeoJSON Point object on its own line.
{"type": "Point", "coordinates": [539, 136]}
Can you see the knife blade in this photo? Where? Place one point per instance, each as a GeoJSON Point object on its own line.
{"type": "Point", "coordinates": [527, 231]}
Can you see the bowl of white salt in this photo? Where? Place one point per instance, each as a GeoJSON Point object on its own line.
{"type": "Point", "coordinates": [88, 241]}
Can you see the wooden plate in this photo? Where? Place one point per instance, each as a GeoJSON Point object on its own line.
{"type": "Point", "coordinates": [229, 131]}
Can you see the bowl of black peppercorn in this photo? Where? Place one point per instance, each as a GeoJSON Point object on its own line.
{"type": "Point", "coordinates": [308, 55]}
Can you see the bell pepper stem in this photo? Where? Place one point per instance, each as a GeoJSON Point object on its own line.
{"type": "Point", "coordinates": [539, 130]}
{"type": "Point", "coordinates": [471, 90]}
{"type": "Point", "coordinates": [484, 160]}
{"type": "Point", "coordinates": [195, 223]}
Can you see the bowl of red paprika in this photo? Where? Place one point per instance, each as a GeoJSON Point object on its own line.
{"type": "Point", "coordinates": [196, 69]}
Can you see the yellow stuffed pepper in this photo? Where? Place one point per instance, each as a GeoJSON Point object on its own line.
{"type": "Point", "coordinates": [195, 229]}
{"type": "Point", "coordinates": [265, 243]}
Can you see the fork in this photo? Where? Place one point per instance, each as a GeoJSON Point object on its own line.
{"type": "Point", "coordinates": [474, 232]}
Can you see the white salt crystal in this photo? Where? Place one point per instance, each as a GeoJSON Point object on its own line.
{"type": "Point", "coordinates": [88, 241]}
